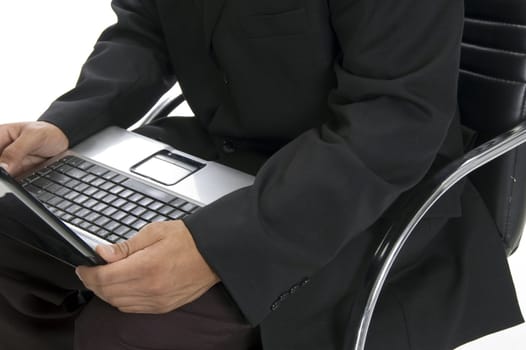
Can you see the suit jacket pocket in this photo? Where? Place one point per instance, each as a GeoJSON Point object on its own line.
{"type": "Point", "coordinates": [285, 23]}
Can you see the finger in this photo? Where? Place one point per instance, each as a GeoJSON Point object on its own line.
{"type": "Point", "coordinates": [8, 133]}
{"type": "Point", "coordinates": [122, 271]}
{"type": "Point", "coordinates": [15, 152]}
{"type": "Point", "coordinates": [144, 238]}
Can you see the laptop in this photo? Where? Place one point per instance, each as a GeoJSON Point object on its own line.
{"type": "Point", "coordinates": [106, 189]}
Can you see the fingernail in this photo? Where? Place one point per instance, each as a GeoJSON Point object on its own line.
{"type": "Point", "coordinates": [5, 166]}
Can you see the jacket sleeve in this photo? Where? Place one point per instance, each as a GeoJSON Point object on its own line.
{"type": "Point", "coordinates": [126, 73]}
{"type": "Point", "coordinates": [391, 107]}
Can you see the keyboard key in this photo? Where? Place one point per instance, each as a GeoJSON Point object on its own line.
{"type": "Point", "coordinates": [112, 225]}
{"type": "Point", "coordinates": [166, 210]}
{"type": "Point", "coordinates": [128, 207]}
{"type": "Point", "coordinates": [109, 198]}
{"type": "Point", "coordinates": [130, 234]}
{"type": "Point", "coordinates": [138, 211]}
{"type": "Point", "coordinates": [119, 178]}
{"type": "Point", "coordinates": [178, 202]}
{"type": "Point", "coordinates": [90, 191]}
{"type": "Point", "coordinates": [82, 213]}
{"type": "Point", "coordinates": [91, 217]}
{"type": "Point", "coordinates": [90, 203]}
{"type": "Point", "coordinates": [148, 215]}
{"type": "Point", "coordinates": [80, 187]}
{"type": "Point", "coordinates": [64, 168]}
{"type": "Point", "coordinates": [98, 170]}
{"type": "Point", "coordinates": [63, 205]}
{"type": "Point", "coordinates": [119, 202]}
{"type": "Point", "coordinates": [129, 220]}
{"type": "Point", "coordinates": [139, 224]}
{"type": "Point", "coordinates": [59, 178]}
{"type": "Point", "coordinates": [116, 189]}
{"type": "Point", "coordinates": [109, 211]}
{"type": "Point", "coordinates": [62, 191]}
{"type": "Point", "coordinates": [156, 205]}
{"type": "Point", "coordinates": [126, 193]}
{"type": "Point", "coordinates": [122, 230]}
{"type": "Point", "coordinates": [98, 182]}
{"type": "Point", "coordinates": [100, 207]}
{"type": "Point", "coordinates": [42, 182]}
{"type": "Point", "coordinates": [112, 238]}
{"type": "Point", "coordinates": [145, 201]}
{"type": "Point", "coordinates": [136, 197]}
{"type": "Point", "coordinates": [73, 183]}
{"type": "Point", "coordinates": [54, 201]}
{"type": "Point", "coordinates": [89, 178]}
{"type": "Point", "coordinates": [43, 172]}
{"type": "Point", "coordinates": [148, 190]}
{"type": "Point", "coordinates": [74, 161]}
{"type": "Point", "coordinates": [119, 215]}
{"type": "Point", "coordinates": [45, 196]}
{"type": "Point", "coordinates": [109, 175]}
{"type": "Point", "coordinates": [176, 214]}
{"type": "Point", "coordinates": [74, 208]}
{"type": "Point", "coordinates": [85, 165]}
{"type": "Point", "coordinates": [101, 221]}
{"type": "Point", "coordinates": [160, 218]}
{"type": "Point", "coordinates": [81, 199]}
{"type": "Point", "coordinates": [99, 194]}
{"type": "Point", "coordinates": [35, 191]}
{"type": "Point", "coordinates": [105, 185]}
{"type": "Point", "coordinates": [188, 207]}
{"type": "Point", "coordinates": [70, 195]}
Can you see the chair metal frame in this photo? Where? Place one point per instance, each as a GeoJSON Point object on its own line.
{"type": "Point", "coordinates": [424, 196]}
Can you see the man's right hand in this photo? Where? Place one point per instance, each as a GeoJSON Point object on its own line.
{"type": "Point", "coordinates": [24, 145]}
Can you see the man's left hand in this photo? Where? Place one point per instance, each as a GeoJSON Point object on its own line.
{"type": "Point", "coordinates": [156, 271]}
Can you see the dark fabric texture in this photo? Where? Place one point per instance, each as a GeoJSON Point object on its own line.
{"type": "Point", "coordinates": [40, 309]}
{"type": "Point", "coordinates": [360, 98]}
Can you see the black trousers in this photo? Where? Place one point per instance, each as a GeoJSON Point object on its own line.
{"type": "Point", "coordinates": [40, 307]}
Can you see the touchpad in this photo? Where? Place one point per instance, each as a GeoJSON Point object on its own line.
{"type": "Point", "coordinates": [166, 167]}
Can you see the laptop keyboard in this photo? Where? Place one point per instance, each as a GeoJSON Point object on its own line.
{"type": "Point", "coordinates": [105, 203]}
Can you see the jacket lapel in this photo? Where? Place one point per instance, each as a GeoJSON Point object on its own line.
{"type": "Point", "coordinates": [211, 12]}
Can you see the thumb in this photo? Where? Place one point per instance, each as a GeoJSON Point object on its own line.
{"type": "Point", "coordinates": [115, 252]}
{"type": "Point", "coordinates": [13, 154]}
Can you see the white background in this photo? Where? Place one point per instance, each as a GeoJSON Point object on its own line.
{"type": "Point", "coordinates": [44, 43]}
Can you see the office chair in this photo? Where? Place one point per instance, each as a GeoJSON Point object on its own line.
{"type": "Point", "coordinates": [492, 101]}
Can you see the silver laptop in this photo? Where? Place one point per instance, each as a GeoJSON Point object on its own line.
{"type": "Point", "coordinates": [106, 189]}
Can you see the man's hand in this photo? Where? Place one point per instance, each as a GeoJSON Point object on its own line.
{"type": "Point", "coordinates": [156, 271]}
{"type": "Point", "coordinates": [24, 145]}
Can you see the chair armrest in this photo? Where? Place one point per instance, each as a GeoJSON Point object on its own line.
{"type": "Point", "coordinates": [422, 199]}
{"type": "Point", "coordinates": [167, 103]}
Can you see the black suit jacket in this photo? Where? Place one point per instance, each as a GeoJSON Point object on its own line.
{"type": "Point", "coordinates": [358, 97]}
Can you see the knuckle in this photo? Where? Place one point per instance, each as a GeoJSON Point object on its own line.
{"type": "Point", "coordinates": [124, 248]}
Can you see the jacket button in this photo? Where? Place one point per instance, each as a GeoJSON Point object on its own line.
{"type": "Point", "coordinates": [228, 146]}
{"type": "Point", "coordinates": [284, 296]}
{"type": "Point", "coordinates": [274, 306]}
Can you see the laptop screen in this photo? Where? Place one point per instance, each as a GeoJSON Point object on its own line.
{"type": "Point", "coordinates": [24, 219]}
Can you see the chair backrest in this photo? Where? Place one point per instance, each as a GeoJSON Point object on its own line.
{"type": "Point", "coordinates": [492, 98]}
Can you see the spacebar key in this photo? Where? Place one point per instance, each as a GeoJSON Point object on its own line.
{"type": "Point", "coordinates": [148, 190]}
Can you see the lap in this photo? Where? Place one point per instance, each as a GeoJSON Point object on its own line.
{"type": "Point", "coordinates": [211, 322]}
{"type": "Point", "coordinates": [38, 309]}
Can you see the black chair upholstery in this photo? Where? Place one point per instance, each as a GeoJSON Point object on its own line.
{"type": "Point", "coordinates": [492, 101]}
{"type": "Point", "coordinates": [492, 98]}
